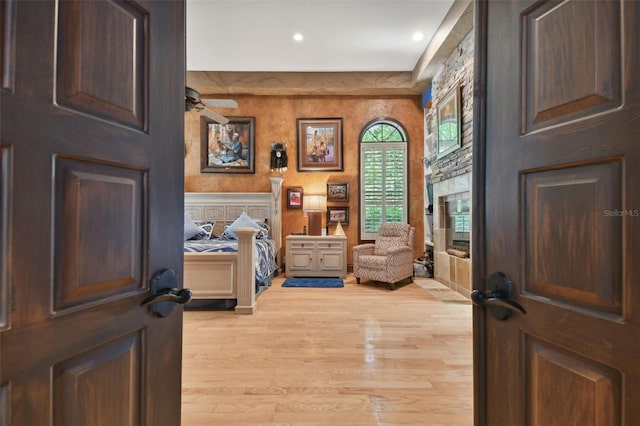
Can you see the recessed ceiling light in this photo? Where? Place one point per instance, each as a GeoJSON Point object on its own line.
{"type": "Point", "coordinates": [417, 36]}
{"type": "Point", "coordinates": [298, 37]}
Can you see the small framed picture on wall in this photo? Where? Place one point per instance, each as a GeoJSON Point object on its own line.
{"type": "Point", "coordinates": [294, 197]}
{"type": "Point", "coordinates": [448, 122]}
{"type": "Point", "coordinates": [338, 214]}
{"type": "Point", "coordinates": [337, 191]}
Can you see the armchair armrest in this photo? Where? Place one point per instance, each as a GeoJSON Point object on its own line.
{"type": "Point", "coordinates": [400, 255]}
{"type": "Point", "coordinates": [363, 249]}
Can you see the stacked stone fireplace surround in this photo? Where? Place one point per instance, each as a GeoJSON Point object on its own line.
{"type": "Point", "coordinates": [451, 174]}
{"type": "Point", "coordinates": [451, 270]}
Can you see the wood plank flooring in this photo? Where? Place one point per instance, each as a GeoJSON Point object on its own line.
{"type": "Point", "coordinates": [358, 355]}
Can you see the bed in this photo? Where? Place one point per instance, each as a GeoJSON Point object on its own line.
{"type": "Point", "coordinates": [227, 270]}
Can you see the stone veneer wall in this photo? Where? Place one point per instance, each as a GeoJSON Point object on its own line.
{"type": "Point", "coordinates": [452, 271]}
{"type": "Point", "coordinates": [451, 174]}
{"type": "Point", "coordinates": [458, 68]}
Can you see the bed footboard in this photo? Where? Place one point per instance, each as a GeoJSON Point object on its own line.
{"type": "Point", "coordinates": [217, 276]}
{"type": "Point", "coordinates": [211, 275]}
{"type": "Point", "coordinates": [230, 276]}
{"type": "Point", "coordinates": [246, 285]}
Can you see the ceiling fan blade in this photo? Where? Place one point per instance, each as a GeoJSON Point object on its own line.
{"type": "Point", "coordinates": [213, 116]}
{"type": "Point", "coordinates": [221, 103]}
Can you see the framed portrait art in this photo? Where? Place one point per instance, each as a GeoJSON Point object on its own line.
{"type": "Point", "coordinates": [337, 191]}
{"type": "Point", "coordinates": [228, 148]}
{"type": "Point", "coordinates": [337, 214]}
{"type": "Point", "coordinates": [294, 197]}
{"type": "Point", "coordinates": [319, 144]}
{"type": "Point", "coordinates": [448, 122]}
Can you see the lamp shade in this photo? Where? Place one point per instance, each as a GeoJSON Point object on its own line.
{"type": "Point", "coordinates": [313, 206]}
{"type": "Point", "coordinates": [314, 203]}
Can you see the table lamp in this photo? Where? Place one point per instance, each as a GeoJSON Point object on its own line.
{"type": "Point", "coordinates": [314, 207]}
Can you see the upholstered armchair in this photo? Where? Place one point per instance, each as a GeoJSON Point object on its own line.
{"type": "Point", "coordinates": [390, 259]}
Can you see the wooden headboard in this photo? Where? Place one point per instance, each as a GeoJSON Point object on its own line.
{"type": "Point", "coordinates": [224, 208]}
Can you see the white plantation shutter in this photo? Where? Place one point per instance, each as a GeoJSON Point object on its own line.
{"type": "Point", "coordinates": [383, 177]}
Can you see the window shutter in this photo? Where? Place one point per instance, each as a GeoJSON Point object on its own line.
{"type": "Point", "coordinates": [383, 179]}
{"type": "Point", "coordinates": [373, 165]}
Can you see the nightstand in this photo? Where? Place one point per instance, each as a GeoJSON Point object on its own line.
{"type": "Point", "coordinates": [316, 256]}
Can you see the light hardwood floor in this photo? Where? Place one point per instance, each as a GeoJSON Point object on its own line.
{"type": "Point", "coordinates": [358, 355]}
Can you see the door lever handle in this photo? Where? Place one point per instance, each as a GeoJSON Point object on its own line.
{"type": "Point", "coordinates": [165, 294]}
{"type": "Point", "coordinates": [174, 295]}
{"type": "Point", "coordinates": [497, 298]}
{"type": "Point", "coordinates": [492, 299]}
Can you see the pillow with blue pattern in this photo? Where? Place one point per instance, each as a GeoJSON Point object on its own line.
{"type": "Point", "coordinates": [206, 230]}
{"type": "Point", "coordinates": [190, 228]}
{"type": "Point", "coordinates": [264, 231]}
{"type": "Point", "coordinates": [243, 221]}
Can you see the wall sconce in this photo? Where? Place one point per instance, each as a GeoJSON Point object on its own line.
{"type": "Point", "coordinates": [279, 159]}
{"type": "Point", "coordinates": [314, 206]}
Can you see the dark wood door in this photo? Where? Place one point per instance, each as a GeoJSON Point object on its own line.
{"type": "Point", "coordinates": [558, 211]}
{"type": "Point", "coordinates": [91, 203]}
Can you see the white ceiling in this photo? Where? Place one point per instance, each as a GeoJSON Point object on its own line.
{"type": "Point", "coordinates": [339, 35]}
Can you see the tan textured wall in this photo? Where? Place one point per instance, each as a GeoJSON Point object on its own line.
{"type": "Point", "coordinates": [276, 121]}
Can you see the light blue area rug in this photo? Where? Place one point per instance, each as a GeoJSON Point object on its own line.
{"type": "Point", "coordinates": [313, 282]}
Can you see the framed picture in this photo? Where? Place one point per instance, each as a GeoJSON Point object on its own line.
{"type": "Point", "coordinates": [337, 214]}
{"type": "Point", "coordinates": [448, 122]}
{"type": "Point", "coordinates": [228, 148]}
{"type": "Point", "coordinates": [294, 197]}
{"type": "Point", "coordinates": [337, 191]}
{"type": "Point", "coordinates": [319, 144]}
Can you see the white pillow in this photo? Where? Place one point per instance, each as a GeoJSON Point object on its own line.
{"type": "Point", "coordinates": [206, 230]}
{"type": "Point", "coordinates": [190, 228]}
{"type": "Point", "coordinates": [243, 221]}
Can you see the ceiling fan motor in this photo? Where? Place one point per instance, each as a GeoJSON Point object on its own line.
{"type": "Point", "coordinates": [191, 98]}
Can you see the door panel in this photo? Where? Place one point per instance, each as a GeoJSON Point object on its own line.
{"type": "Point", "coordinates": [558, 211]}
{"type": "Point", "coordinates": [98, 232]}
{"type": "Point", "coordinates": [565, 223]}
{"type": "Point", "coordinates": [565, 389]}
{"type": "Point", "coordinates": [571, 55]}
{"type": "Point", "coordinates": [5, 262]}
{"type": "Point", "coordinates": [301, 261]}
{"type": "Point", "coordinates": [330, 260]}
{"type": "Point", "coordinates": [7, 72]}
{"type": "Point", "coordinates": [87, 65]}
{"type": "Point", "coordinates": [111, 374]}
{"type": "Point", "coordinates": [91, 138]}
{"type": "Point", "coordinates": [5, 240]}
{"type": "Point", "coordinates": [7, 44]}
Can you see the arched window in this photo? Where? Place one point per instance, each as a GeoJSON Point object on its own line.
{"type": "Point", "coordinates": [383, 176]}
